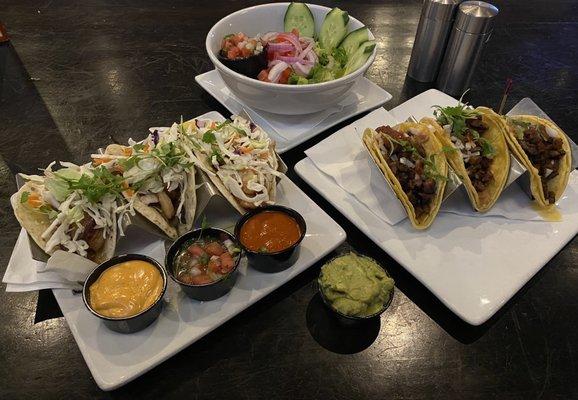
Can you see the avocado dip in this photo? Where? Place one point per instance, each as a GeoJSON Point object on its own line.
{"type": "Point", "coordinates": [355, 285]}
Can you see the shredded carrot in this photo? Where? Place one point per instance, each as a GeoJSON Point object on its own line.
{"type": "Point", "coordinates": [129, 192]}
{"type": "Point", "coordinates": [34, 200]}
{"type": "Point", "coordinates": [127, 151]}
{"type": "Point", "coordinates": [245, 149]}
{"type": "Point", "coordinates": [101, 160]}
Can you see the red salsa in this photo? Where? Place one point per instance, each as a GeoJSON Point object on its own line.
{"type": "Point", "coordinates": [270, 232]}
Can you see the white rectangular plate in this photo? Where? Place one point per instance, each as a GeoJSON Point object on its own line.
{"type": "Point", "coordinates": [372, 97]}
{"type": "Point", "coordinates": [115, 359]}
{"type": "Point", "coordinates": [473, 265]}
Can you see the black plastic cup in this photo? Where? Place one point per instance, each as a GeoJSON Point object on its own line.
{"type": "Point", "coordinates": [277, 261]}
{"type": "Point", "coordinates": [133, 323]}
{"type": "Point", "coordinates": [208, 291]}
{"type": "Point", "coordinates": [350, 320]}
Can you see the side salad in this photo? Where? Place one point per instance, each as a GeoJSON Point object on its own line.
{"type": "Point", "coordinates": [299, 55]}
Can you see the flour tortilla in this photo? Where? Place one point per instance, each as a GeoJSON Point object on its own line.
{"type": "Point", "coordinates": [240, 205]}
{"type": "Point", "coordinates": [189, 208]}
{"type": "Point", "coordinates": [482, 201]}
{"type": "Point", "coordinates": [559, 183]}
{"type": "Point", "coordinates": [431, 146]}
{"type": "Point", "coordinates": [35, 223]}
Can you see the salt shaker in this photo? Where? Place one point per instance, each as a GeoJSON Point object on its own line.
{"type": "Point", "coordinates": [471, 31]}
{"type": "Point", "coordinates": [431, 38]}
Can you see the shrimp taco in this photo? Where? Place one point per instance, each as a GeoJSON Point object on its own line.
{"type": "Point", "coordinates": [413, 162]}
{"type": "Point", "coordinates": [159, 178]}
{"type": "Point", "coordinates": [73, 209]}
{"type": "Point", "coordinates": [476, 149]}
{"type": "Point", "coordinates": [240, 158]}
{"type": "Point", "coordinates": [543, 148]}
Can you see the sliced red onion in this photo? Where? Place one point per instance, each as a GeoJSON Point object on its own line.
{"type": "Point", "coordinates": [288, 59]}
{"type": "Point", "coordinates": [301, 69]}
{"type": "Point", "coordinates": [274, 62]}
{"type": "Point", "coordinates": [284, 46]}
{"type": "Point", "coordinates": [311, 56]}
{"type": "Point", "coordinates": [292, 39]}
{"type": "Point", "coordinates": [199, 123]}
{"type": "Point", "coordinates": [269, 36]}
{"type": "Point", "coordinates": [275, 72]}
{"type": "Point", "coordinates": [306, 51]}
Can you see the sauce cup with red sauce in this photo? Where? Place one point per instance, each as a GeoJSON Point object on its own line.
{"type": "Point", "coordinates": [271, 237]}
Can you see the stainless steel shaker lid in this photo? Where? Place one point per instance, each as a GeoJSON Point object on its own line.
{"type": "Point", "coordinates": [439, 10]}
{"type": "Point", "coordinates": [475, 17]}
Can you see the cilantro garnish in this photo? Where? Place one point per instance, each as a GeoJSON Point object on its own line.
{"type": "Point", "coordinates": [487, 148]}
{"type": "Point", "coordinates": [430, 168]}
{"type": "Point", "coordinates": [456, 117]}
{"type": "Point", "coordinates": [94, 187]}
{"type": "Point", "coordinates": [24, 197]}
{"type": "Point", "coordinates": [209, 137]}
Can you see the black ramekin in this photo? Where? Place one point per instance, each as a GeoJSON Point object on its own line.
{"type": "Point", "coordinates": [136, 322]}
{"type": "Point", "coordinates": [277, 261]}
{"type": "Point", "coordinates": [209, 291]}
{"type": "Point", "coordinates": [351, 319]}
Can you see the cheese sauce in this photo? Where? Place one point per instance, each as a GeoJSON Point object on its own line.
{"type": "Point", "coordinates": [126, 289]}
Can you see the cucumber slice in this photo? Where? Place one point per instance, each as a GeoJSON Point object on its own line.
{"type": "Point", "coordinates": [333, 29]}
{"type": "Point", "coordinates": [298, 16]}
{"type": "Point", "coordinates": [359, 57]}
{"type": "Point", "coordinates": [354, 39]}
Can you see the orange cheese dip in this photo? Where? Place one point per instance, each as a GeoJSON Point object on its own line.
{"type": "Point", "coordinates": [126, 289]}
{"type": "Point", "coordinates": [270, 232]}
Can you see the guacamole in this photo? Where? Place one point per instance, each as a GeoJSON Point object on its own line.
{"type": "Point", "coordinates": [355, 285]}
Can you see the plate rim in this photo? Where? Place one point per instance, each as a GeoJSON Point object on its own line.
{"type": "Point", "coordinates": [314, 131]}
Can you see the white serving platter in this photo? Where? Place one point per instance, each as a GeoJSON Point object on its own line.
{"type": "Point", "coordinates": [474, 265]}
{"type": "Point", "coordinates": [115, 359]}
{"type": "Point", "coordinates": [290, 131]}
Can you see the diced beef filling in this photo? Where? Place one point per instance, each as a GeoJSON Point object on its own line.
{"type": "Point", "coordinates": [477, 165]}
{"type": "Point", "coordinates": [545, 153]}
{"type": "Point", "coordinates": [409, 169]}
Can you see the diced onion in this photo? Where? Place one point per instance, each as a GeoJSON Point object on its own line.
{"type": "Point", "coordinates": [406, 162]}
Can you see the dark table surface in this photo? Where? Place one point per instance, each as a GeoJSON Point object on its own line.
{"type": "Point", "coordinates": [75, 73]}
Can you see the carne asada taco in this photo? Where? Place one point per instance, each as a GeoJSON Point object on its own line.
{"type": "Point", "coordinates": [543, 148]}
{"type": "Point", "coordinates": [478, 152]}
{"type": "Point", "coordinates": [241, 159]}
{"type": "Point", "coordinates": [72, 209]}
{"type": "Point", "coordinates": [159, 178]}
{"type": "Point", "coordinates": [413, 162]}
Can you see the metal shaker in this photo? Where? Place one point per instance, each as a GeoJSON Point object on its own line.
{"type": "Point", "coordinates": [471, 31]}
{"type": "Point", "coordinates": [431, 38]}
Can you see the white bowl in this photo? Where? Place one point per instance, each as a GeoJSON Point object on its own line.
{"type": "Point", "coordinates": [274, 97]}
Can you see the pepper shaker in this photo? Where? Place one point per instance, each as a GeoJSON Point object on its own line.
{"type": "Point", "coordinates": [471, 31]}
{"type": "Point", "coordinates": [431, 38]}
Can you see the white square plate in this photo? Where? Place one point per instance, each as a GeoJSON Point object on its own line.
{"type": "Point", "coordinates": [474, 265]}
{"type": "Point", "coordinates": [296, 128]}
{"type": "Point", "coordinates": [115, 359]}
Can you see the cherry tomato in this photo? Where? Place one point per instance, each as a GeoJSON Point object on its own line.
{"type": "Point", "coordinates": [196, 250]}
{"type": "Point", "coordinates": [214, 249]}
{"type": "Point", "coordinates": [227, 263]}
